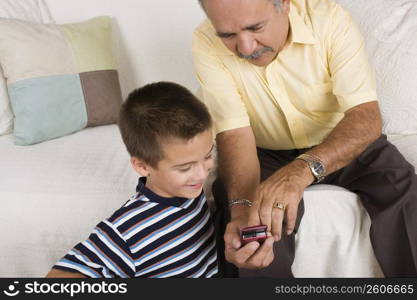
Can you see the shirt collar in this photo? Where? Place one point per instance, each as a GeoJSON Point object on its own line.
{"type": "Point", "coordinates": [300, 31]}
{"type": "Point", "coordinates": [141, 189]}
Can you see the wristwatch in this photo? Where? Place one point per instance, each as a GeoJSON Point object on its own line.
{"type": "Point", "coordinates": [316, 166]}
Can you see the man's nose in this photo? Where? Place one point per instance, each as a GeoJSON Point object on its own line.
{"type": "Point", "coordinates": [246, 44]}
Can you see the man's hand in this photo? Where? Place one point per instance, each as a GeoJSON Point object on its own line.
{"type": "Point", "coordinates": [240, 172]}
{"type": "Point", "coordinates": [253, 255]}
{"type": "Point", "coordinates": [285, 186]}
{"type": "Point", "coordinates": [354, 133]}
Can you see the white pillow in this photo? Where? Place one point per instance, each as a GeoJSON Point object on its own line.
{"type": "Point", "coordinates": [390, 31]}
{"type": "Point", "coordinates": [29, 10]}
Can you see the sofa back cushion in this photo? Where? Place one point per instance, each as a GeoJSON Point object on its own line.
{"type": "Point", "coordinates": [390, 30]}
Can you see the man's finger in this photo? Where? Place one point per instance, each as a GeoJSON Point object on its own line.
{"type": "Point", "coordinates": [257, 259]}
{"type": "Point", "coordinates": [269, 259]}
{"type": "Point", "coordinates": [232, 236]}
{"type": "Point", "coordinates": [232, 239]}
{"type": "Point", "coordinates": [277, 222]}
{"type": "Point", "coordinates": [240, 256]}
{"type": "Point", "coordinates": [291, 217]}
{"type": "Point", "coordinates": [265, 213]}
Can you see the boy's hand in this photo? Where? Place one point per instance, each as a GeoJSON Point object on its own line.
{"type": "Point", "coordinates": [253, 255]}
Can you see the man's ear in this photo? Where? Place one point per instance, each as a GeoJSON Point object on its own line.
{"type": "Point", "coordinates": [285, 6]}
{"type": "Point", "coordinates": [140, 166]}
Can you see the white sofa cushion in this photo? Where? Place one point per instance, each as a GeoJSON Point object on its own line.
{"type": "Point", "coordinates": [333, 238]}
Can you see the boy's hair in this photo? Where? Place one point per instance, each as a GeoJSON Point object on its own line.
{"type": "Point", "coordinates": [156, 112]}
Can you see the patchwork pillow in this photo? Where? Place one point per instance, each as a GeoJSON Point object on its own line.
{"type": "Point", "coordinates": [6, 115]}
{"type": "Point", "coordinates": [29, 10]}
{"type": "Point", "coordinates": [60, 78]}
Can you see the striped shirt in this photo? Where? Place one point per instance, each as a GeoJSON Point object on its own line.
{"type": "Point", "coordinates": [149, 237]}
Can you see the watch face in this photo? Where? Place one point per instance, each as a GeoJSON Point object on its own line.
{"type": "Point", "coordinates": [318, 168]}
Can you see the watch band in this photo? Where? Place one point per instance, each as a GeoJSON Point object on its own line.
{"type": "Point", "coordinates": [245, 202]}
{"type": "Point", "coordinates": [312, 161]}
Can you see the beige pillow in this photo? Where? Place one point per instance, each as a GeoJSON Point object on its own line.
{"type": "Point", "coordinates": [29, 10]}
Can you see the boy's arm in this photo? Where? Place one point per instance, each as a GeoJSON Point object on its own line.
{"type": "Point", "coordinates": [55, 273]}
{"type": "Point", "coordinates": [81, 262]}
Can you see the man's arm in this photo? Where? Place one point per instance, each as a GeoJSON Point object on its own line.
{"type": "Point", "coordinates": [238, 163]}
{"type": "Point", "coordinates": [240, 172]}
{"type": "Point", "coordinates": [360, 127]}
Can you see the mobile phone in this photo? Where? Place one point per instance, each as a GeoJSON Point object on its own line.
{"type": "Point", "coordinates": [253, 233]}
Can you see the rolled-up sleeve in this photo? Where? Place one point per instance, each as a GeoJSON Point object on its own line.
{"type": "Point", "coordinates": [217, 90]}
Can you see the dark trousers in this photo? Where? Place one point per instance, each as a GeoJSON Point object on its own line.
{"type": "Point", "coordinates": [387, 186]}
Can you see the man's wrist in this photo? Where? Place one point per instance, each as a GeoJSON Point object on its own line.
{"type": "Point", "coordinates": [240, 201]}
{"type": "Point", "coordinates": [315, 165]}
{"type": "Point", "coordinates": [238, 210]}
{"type": "Point", "coordinates": [305, 172]}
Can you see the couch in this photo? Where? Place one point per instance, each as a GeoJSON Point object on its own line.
{"type": "Point", "coordinates": [53, 193]}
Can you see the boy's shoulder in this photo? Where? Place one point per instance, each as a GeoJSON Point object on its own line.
{"type": "Point", "coordinates": [134, 206]}
{"type": "Point", "coordinates": [140, 214]}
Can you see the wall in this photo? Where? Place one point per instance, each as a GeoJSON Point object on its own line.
{"type": "Point", "coordinates": [152, 37]}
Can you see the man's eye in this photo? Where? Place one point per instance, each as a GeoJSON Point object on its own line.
{"type": "Point", "coordinates": [256, 29]}
{"type": "Point", "coordinates": [225, 35]}
{"type": "Point", "coordinates": [184, 170]}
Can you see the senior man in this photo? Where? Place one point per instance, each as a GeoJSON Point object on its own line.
{"type": "Point", "coordinates": [294, 103]}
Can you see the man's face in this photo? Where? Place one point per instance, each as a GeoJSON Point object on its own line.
{"type": "Point", "coordinates": [252, 29]}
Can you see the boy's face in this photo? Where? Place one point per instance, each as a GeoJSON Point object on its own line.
{"type": "Point", "coordinates": [184, 168]}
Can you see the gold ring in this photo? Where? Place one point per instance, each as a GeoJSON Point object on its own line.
{"type": "Point", "coordinates": [279, 205]}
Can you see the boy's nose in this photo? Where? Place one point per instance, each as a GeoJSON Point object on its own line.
{"type": "Point", "coordinates": [203, 170]}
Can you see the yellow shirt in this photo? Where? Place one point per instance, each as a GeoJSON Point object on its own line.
{"type": "Point", "coordinates": [297, 99]}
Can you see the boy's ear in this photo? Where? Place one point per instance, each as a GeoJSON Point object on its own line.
{"type": "Point", "coordinates": [140, 166]}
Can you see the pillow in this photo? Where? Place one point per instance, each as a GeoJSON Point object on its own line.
{"type": "Point", "coordinates": [389, 28]}
{"type": "Point", "coordinates": [30, 10]}
{"type": "Point", "coordinates": [60, 78]}
{"type": "Point", "coordinates": [6, 115]}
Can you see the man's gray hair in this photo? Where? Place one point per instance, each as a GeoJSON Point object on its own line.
{"type": "Point", "coordinates": [277, 3]}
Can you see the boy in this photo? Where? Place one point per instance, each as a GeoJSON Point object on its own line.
{"type": "Point", "coordinates": [165, 229]}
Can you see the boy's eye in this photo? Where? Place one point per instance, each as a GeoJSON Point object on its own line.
{"type": "Point", "coordinates": [184, 169]}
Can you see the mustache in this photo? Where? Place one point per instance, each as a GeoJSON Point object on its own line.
{"type": "Point", "coordinates": [256, 54]}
